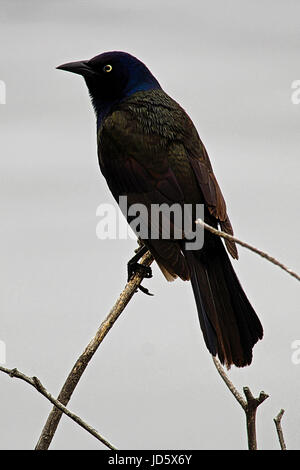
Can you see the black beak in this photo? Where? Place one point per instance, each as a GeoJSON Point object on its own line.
{"type": "Point", "coordinates": [81, 68]}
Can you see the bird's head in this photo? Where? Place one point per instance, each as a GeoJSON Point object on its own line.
{"type": "Point", "coordinates": [111, 77]}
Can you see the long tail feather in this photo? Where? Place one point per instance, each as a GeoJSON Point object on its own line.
{"type": "Point", "coordinates": [229, 323]}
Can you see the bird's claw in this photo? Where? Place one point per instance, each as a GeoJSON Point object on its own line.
{"type": "Point", "coordinates": [146, 272]}
{"type": "Point", "coordinates": [144, 290]}
{"type": "Point", "coordinates": [133, 267]}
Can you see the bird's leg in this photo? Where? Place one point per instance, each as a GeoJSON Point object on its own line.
{"type": "Point", "coordinates": [133, 266]}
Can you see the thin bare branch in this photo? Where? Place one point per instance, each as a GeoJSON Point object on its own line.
{"type": "Point", "coordinates": [229, 384]}
{"type": "Point", "coordinates": [84, 359]}
{"type": "Point", "coordinates": [250, 247]}
{"type": "Point", "coordinates": [277, 422]}
{"type": "Point", "coordinates": [36, 383]}
{"type": "Point", "coordinates": [249, 405]}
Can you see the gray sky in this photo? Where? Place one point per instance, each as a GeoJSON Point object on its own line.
{"type": "Point", "coordinates": [152, 385]}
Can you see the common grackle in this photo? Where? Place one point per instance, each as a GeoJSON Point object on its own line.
{"type": "Point", "coordinates": [150, 151]}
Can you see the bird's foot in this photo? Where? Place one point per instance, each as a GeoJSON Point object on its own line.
{"type": "Point", "coordinates": [146, 272]}
{"type": "Point", "coordinates": [133, 267]}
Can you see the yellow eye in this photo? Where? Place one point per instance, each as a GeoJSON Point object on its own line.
{"type": "Point", "coordinates": [107, 68]}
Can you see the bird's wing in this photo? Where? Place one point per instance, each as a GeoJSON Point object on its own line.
{"type": "Point", "coordinates": [207, 181]}
{"type": "Point", "coordinates": [174, 123]}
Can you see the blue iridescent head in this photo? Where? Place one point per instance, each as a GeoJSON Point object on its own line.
{"type": "Point", "coordinates": [111, 77]}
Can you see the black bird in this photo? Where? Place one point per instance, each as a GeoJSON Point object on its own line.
{"type": "Point", "coordinates": [150, 151]}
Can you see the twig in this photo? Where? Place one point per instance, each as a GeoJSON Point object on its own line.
{"type": "Point", "coordinates": [246, 245]}
{"type": "Point", "coordinates": [249, 405]}
{"type": "Point", "coordinates": [251, 408]}
{"type": "Point", "coordinates": [277, 422]}
{"type": "Point", "coordinates": [36, 383]}
{"type": "Point", "coordinates": [229, 384]}
{"type": "Point", "coordinates": [82, 362]}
